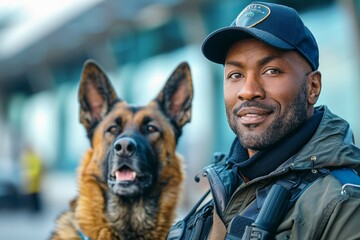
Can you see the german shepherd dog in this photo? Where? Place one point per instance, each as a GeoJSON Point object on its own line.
{"type": "Point", "coordinates": [130, 179]}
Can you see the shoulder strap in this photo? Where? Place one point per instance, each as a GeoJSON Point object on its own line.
{"type": "Point", "coordinates": [348, 177]}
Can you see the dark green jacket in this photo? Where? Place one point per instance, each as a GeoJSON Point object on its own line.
{"type": "Point", "coordinates": [323, 211]}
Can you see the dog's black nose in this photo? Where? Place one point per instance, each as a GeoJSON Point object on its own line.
{"type": "Point", "coordinates": [125, 147]}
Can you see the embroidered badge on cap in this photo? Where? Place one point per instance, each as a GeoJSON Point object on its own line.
{"type": "Point", "coordinates": [252, 15]}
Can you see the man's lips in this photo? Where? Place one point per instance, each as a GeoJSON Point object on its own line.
{"type": "Point", "coordinates": [253, 115]}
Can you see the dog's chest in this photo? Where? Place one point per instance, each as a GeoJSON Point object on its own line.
{"type": "Point", "coordinates": [133, 220]}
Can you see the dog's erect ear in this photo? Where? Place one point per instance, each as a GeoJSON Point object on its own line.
{"type": "Point", "coordinates": [176, 97]}
{"type": "Point", "coordinates": [96, 96]}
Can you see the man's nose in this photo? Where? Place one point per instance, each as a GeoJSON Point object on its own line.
{"type": "Point", "coordinates": [251, 88]}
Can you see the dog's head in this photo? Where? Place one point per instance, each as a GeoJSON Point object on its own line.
{"type": "Point", "coordinates": [133, 144]}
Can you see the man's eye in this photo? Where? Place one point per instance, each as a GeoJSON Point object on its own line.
{"type": "Point", "coordinates": [235, 75]}
{"type": "Point", "coordinates": [272, 71]}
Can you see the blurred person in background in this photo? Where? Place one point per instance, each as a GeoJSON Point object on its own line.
{"type": "Point", "coordinates": [32, 168]}
{"type": "Point", "coordinates": [291, 170]}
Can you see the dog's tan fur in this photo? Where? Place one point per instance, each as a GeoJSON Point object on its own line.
{"type": "Point", "coordinates": [99, 213]}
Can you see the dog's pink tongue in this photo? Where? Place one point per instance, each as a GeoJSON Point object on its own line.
{"type": "Point", "coordinates": [125, 175]}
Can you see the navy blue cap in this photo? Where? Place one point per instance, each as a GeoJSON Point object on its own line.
{"type": "Point", "coordinates": [277, 25]}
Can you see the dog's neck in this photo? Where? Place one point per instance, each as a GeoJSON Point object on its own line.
{"type": "Point", "coordinates": [132, 216]}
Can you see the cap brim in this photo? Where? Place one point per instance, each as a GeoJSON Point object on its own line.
{"type": "Point", "coordinates": [218, 43]}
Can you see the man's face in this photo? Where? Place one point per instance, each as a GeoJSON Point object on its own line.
{"type": "Point", "coordinates": [265, 92]}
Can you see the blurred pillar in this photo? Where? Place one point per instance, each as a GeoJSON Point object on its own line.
{"type": "Point", "coordinates": [353, 8]}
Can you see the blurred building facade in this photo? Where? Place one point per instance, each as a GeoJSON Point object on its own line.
{"type": "Point", "coordinates": [139, 43]}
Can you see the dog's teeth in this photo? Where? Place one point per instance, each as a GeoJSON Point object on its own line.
{"type": "Point", "coordinates": [134, 175]}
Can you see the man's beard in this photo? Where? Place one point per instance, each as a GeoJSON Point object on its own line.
{"type": "Point", "coordinates": [295, 114]}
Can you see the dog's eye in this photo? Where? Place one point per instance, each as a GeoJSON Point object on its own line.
{"type": "Point", "coordinates": [113, 129]}
{"type": "Point", "coordinates": [151, 128]}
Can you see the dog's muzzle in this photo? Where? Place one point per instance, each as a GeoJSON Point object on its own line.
{"type": "Point", "coordinates": [132, 167]}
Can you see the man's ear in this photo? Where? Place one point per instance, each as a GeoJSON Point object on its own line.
{"type": "Point", "coordinates": [314, 87]}
{"type": "Point", "coordinates": [96, 96]}
{"type": "Point", "coordinates": [175, 98]}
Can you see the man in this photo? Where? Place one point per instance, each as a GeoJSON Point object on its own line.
{"type": "Point", "coordinates": [283, 177]}
{"type": "Point", "coordinates": [32, 176]}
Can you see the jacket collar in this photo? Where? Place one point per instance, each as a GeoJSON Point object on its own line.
{"type": "Point", "coordinates": [332, 145]}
